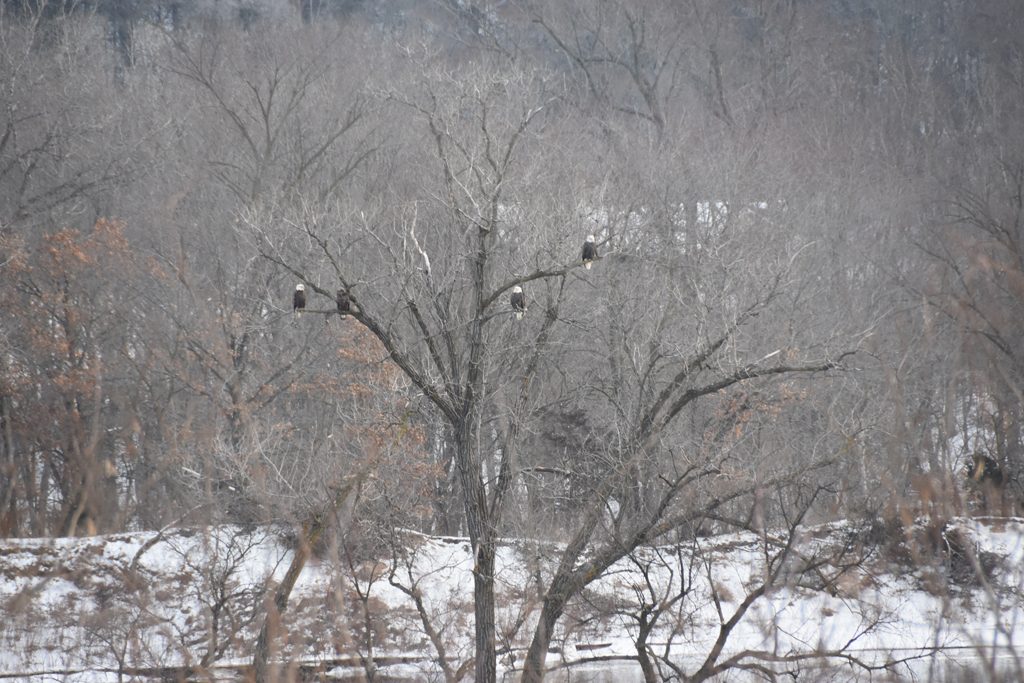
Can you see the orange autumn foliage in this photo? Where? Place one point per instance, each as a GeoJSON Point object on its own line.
{"type": "Point", "coordinates": [59, 306]}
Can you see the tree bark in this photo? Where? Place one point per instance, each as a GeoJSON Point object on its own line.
{"type": "Point", "coordinates": [642, 655]}
{"type": "Point", "coordinates": [554, 604]}
{"type": "Point", "coordinates": [482, 540]}
{"type": "Point", "coordinates": [9, 523]}
{"type": "Point", "coordinates": [483, 600]}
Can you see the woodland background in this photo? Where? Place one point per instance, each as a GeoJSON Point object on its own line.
{"type": "Point", "coordinates": [809, 306]}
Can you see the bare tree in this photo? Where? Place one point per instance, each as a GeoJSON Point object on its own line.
{"type": "Point", "coordinates": [57, 150]}
{"type": "Point", "coordinates": [69, 325]}
{"type": "Point", "coordinates": [441, 304]}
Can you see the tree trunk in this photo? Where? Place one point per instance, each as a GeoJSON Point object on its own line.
{"type": "Point", "coordinates": [9, 523]}
{"type": "Point", "coordinates": [554, 605]}
{"type": "Point", "coordinates": [262, 671]}
{"type": "Point", "coordinates": [536, 656]}
{"type": "Point", "coordinates": [642, 655]}
{"type": "Point", "coordinates": [483, 600]}
{"type": "Point", "coordinates": [482, 540]}
{"type": "Point", "coordinates": [41, 495]}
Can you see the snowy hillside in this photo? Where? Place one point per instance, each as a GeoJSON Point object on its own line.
{"type": "Point", "coordinates": [190, 599]}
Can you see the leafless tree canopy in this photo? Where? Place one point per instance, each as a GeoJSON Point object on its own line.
{"type": "Point", "coordinates": [809, 220]}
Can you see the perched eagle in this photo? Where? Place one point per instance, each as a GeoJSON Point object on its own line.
{"type": "Point", "coordinates": [589, 252]}
{"type": "Point", "coordinates": [299, 298]}
{"type": "Point", "coordinates": [343, 301]}
{"type": "Point", "coordinates": [518, 302]}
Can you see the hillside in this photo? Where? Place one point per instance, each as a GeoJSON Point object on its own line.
{"type": "Point", "coordinates": [160, 604]}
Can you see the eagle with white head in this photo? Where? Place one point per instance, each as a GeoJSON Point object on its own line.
{"type": "Point", "coordinates": [518, 302]}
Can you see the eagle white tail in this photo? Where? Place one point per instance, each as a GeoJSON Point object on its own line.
{"type": "Point", "coordinates": [587, 265]}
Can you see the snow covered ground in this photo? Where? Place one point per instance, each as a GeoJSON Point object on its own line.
{"type": "Point", "coordinates": [144, 603]}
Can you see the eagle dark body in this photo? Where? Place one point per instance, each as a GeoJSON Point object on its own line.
{"type": "Point", "coordinates": [589, 253]}
{"type": "Point", "coordinates": [299, 298]}
{"type": "Point", "coordinates": [343, 301]}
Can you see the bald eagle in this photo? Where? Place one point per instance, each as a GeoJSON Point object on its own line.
{"type": "Point", "coordinates": [589, 252]}
{"type": "Point", "coordinates": [299, 299]}
{"type": "Point", "coordinates": [343, 301]}
{"type": "Point", "coordinates": [518, 302]}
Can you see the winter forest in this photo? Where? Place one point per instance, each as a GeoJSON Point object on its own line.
{"type": "Point", "coordinates": [771, 429]}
